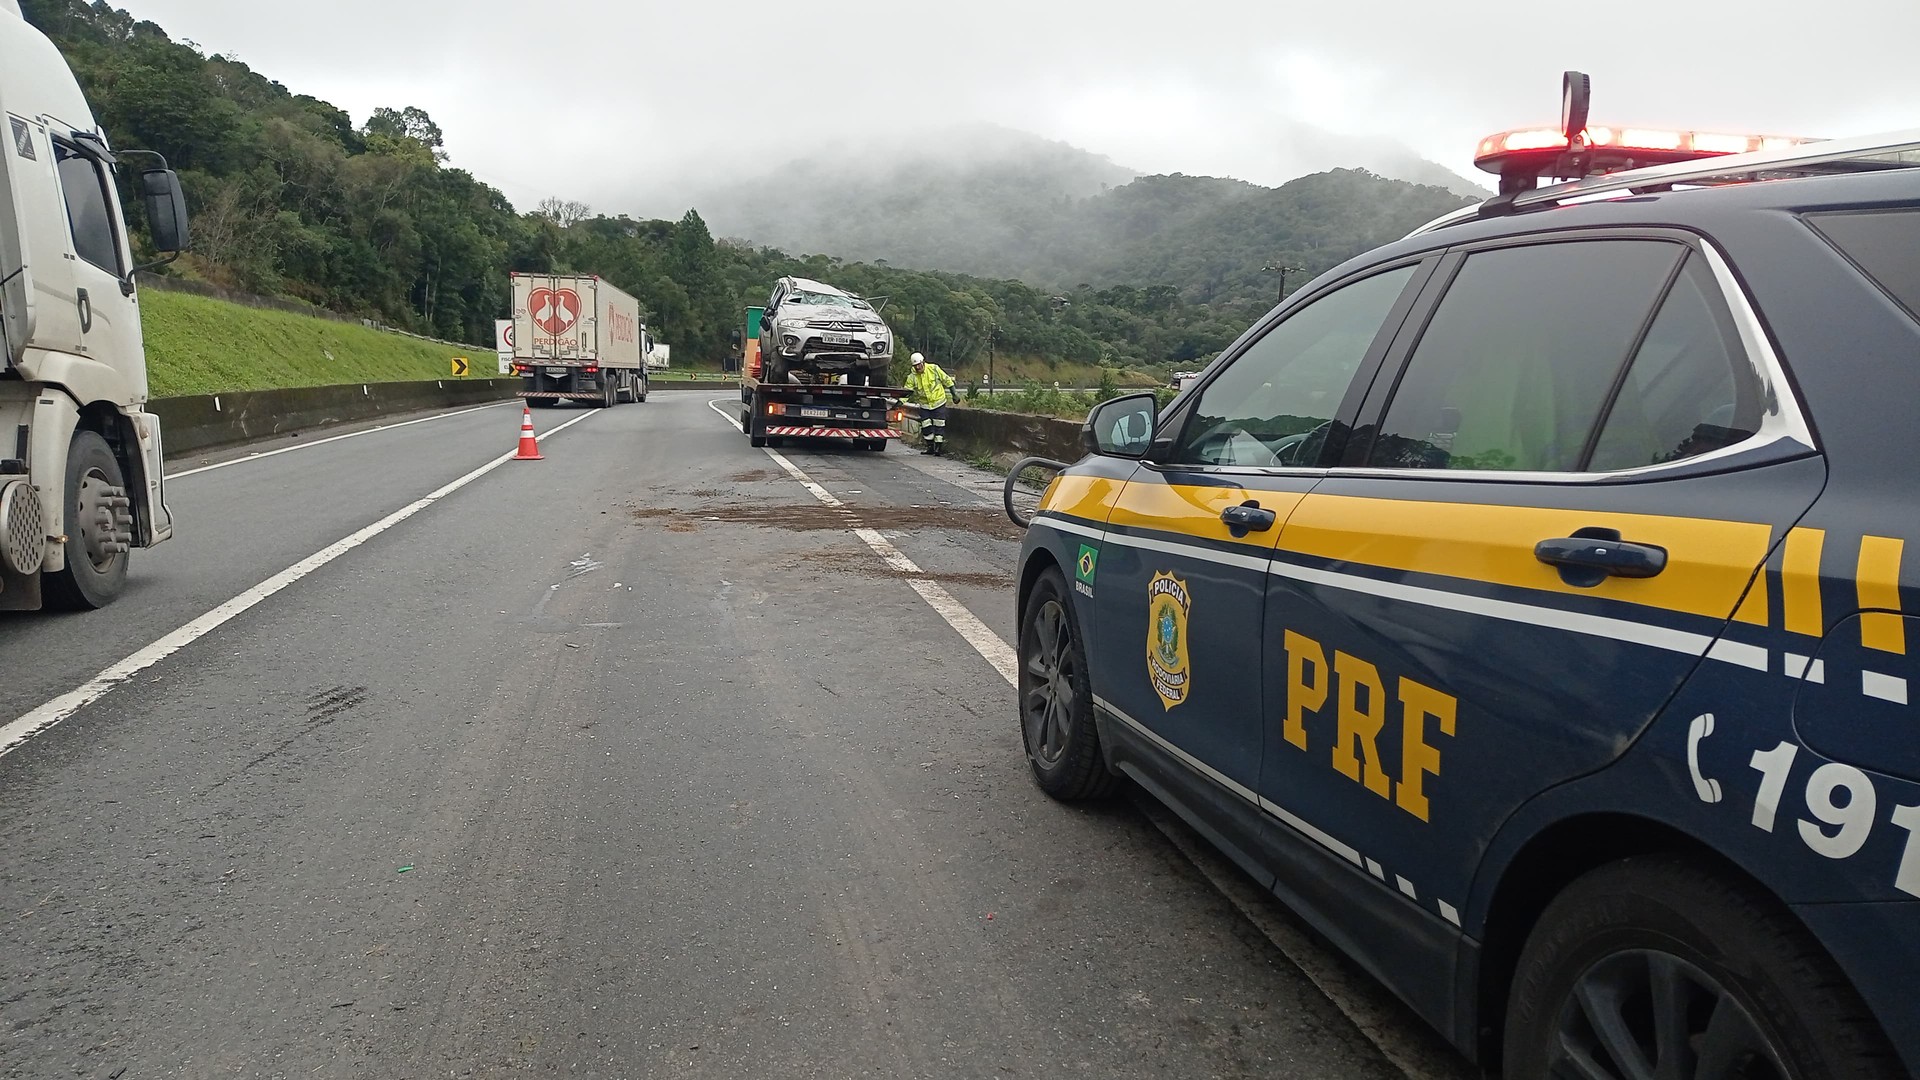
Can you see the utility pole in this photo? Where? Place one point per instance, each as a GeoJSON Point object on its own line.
{"type": "Point", "coordinates": [1283, 271]}
{"type": "Point", "coordinates": [993, 332]}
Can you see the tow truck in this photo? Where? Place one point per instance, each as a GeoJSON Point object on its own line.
{"type": "Point", "coordinates": [809, 407]}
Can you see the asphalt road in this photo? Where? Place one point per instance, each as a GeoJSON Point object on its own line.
{"type": "Point", "coordinates": [631, 762]}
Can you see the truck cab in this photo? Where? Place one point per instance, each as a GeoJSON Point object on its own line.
{"type": "Point", "coordinates": [81, 476]}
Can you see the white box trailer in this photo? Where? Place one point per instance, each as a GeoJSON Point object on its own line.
{"type": "Point", "coordinates": [577, 337]}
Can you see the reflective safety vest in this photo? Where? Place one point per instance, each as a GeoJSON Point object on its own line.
{"type": "Point", "coordinates": [930, 386]}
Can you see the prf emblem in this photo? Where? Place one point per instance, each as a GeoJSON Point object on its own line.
{"type": "Point", "coordinates": [1168, 605]}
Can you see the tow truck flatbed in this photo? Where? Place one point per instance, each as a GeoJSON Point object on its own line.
{"type": "Point", "coordinates": [800, 410]}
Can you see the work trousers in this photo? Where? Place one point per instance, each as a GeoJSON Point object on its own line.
{"type": "Point", "coordinates": [933, 426]}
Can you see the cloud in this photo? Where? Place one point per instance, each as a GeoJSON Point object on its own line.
{"type": "Point", "coordinates": [596, 98]}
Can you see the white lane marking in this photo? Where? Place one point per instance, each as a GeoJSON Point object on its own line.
{"type": "Point", "coordinates": [1367, 1007]}
{"type": "Point", "coordinates": [334, 438]}
{"type": "Point", "coordinates": [14, 734]}
{"type": "Point", "coordinates": [965, 623]}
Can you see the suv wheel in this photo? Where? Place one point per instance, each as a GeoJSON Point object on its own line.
{"type": "Point", "coordinates": [1056, 697]}
{"type": "Point", "coordinates": [1657, 966]}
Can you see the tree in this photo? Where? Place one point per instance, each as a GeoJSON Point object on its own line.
{"type": "Point", "coordinates": [565, 213]}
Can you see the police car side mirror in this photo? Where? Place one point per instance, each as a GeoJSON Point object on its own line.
{"type": "Point", "coordinates": [1122, 427]}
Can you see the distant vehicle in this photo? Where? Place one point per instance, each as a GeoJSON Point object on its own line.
{"type": "Point", "coordinates": [805, 405]}
{"type": "Point", "coordinates": [81, 474]}
{"type": "Point", "coordinates": [1533, 605]}
{"type": "Point", "coordinates": [577, 338]}
{"type": "Point", "coordinates": [820, 330]}
{"type": "Point", "coordinates": [658, 355]}
{"type": "Point", "coordinates": [1182, 379]}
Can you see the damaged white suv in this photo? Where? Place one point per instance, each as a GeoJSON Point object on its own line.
{"type": "Point", "coordinates": [825, 332]}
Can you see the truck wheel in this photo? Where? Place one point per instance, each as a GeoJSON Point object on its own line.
{"type": "Point", "coordinates": [99, 529]}
{"type": "Point", "coordinates": [756, 429]}
{"type": "Point", "coordinates": [1056, 697]}
{"type": "Point", "coordinates": [642, 399]}
{"type": "Point", "coordinates": [1658, 966]}
{"type": "Point", "coordinates": [609, 393]}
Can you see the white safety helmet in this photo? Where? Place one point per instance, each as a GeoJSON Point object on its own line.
{"type": "Point", "coordinates": [918, 359]}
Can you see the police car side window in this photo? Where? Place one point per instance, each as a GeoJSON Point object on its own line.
{"type": "Point", "coordinates": [1521, 355]}
{"type": "Point", "coordinates": [1274, 403]}
{"type": "Point", "coordinates": [1689, 391]}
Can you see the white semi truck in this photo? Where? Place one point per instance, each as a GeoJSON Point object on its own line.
{"type": "Point", "coordinates": [81, 479]}
{"type": "Point", "coordinates": [577, 338]}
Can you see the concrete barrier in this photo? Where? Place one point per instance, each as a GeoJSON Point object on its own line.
{"type": "Point", "coordinates": [204, 422]}
{"type": "Point", "coordinates": [1005, 436]}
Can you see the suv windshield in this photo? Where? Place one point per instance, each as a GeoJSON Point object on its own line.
{"type": "Point", "coordinates": [815, 299]}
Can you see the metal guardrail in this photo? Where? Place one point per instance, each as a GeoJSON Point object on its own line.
{"type": "Point", "coordinates": [1032, 489]}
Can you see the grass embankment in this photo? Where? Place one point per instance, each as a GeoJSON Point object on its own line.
{"type": "Point", "coordinates": [200, 346]}
{"type": "Point", "coordinates": [1018, 370]}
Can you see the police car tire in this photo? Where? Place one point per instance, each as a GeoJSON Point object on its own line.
{"type": "Point", "coordinates": [1081, 773]}
{"type": "Point", "coordinates": [1728, 928]}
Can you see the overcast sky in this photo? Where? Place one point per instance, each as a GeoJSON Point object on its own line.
{"type": "Point", "coordinates": [631, 105]}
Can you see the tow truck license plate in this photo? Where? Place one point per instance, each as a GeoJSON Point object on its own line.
{"type": "Point", "coordinates": [837, 339]}
{"type": "Point", "coordinates": [815, 412]}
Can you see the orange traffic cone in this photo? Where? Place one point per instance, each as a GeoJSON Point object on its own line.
{"type": "Point", "coordinates": [529, 446]}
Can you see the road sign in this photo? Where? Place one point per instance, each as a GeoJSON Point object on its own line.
{"type": "Point", "coordinates": [503, 343]}
{"type": "Point", "coordinates": [459, 365]}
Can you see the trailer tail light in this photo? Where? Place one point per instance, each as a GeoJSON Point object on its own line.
{"type": "Point", "coordinates": [521, 369]}
{"type": "Point", "coordinates": [592, 369]}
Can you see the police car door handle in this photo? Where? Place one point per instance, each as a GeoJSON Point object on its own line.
{"type": "Point", "coordinates": [1590, 556]}
{"type": "Point", "coordinates": [1247, 517]}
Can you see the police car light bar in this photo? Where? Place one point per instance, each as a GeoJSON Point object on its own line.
{"type": "Point", "coordinates": [1523, 156]}
{"type": "Point", "coordinates": [1577, 149]}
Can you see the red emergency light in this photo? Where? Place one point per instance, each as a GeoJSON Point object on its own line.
{"type": "Point", "coordinates": [1578, 149]}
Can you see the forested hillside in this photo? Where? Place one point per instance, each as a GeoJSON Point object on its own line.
{"type": "Point", "coordinates": [292, 198]}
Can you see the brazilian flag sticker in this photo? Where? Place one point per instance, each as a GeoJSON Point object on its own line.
{"type": "Point", "coordinates": [1088, 562]}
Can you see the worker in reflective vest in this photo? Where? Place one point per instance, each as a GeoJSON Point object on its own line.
{"type": "Point", "coordinates": [933, 391]}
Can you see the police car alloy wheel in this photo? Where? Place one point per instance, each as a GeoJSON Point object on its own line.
{"type": "Point", "coordinates": [1056, 698]}
{"type": "Point", "coordinates": [1661, 966]}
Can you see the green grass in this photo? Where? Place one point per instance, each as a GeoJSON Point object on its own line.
{"type": "Point", "coordinates": [200, 346]}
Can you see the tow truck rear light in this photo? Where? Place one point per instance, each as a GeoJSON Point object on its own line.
{"type": "Point", "coordinates": [776, 409]}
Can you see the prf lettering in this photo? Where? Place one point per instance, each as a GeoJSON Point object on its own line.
{"type": "Point", "coordinates": [1359, 698]}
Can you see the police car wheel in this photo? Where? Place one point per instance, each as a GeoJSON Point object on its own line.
{"type": "Point", "coordinates": [1657, 966]}
{"type": "Point", "coordinates": [1056, 699]}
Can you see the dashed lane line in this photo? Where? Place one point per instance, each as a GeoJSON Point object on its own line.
{"type": "Point", "coordinates": [965, 623]}
{"type": "Point", "coordinates": [1403, 1039]}
{"type": "Point", "coordinates": [16, 733]}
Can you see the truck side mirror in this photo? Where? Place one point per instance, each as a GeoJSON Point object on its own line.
{"type": "Point", "coordinates": [166, 209]}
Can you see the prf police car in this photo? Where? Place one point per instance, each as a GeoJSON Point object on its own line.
{"type": "Point", "coordinates": [1527, 603]}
